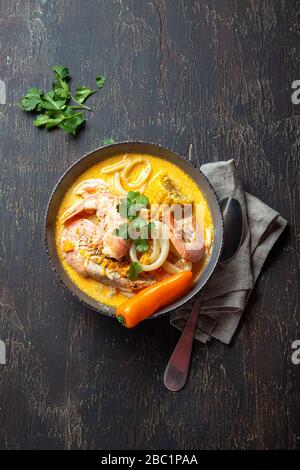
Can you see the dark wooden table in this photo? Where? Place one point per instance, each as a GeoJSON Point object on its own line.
{"type": "Point", "coordinates": [214, 74]}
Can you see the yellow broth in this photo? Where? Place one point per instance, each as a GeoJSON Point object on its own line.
{"type": "Point", "coordinates": [184, 183]}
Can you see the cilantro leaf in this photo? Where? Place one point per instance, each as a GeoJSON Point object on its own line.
{"type": "Point", "coordinates": [61, 89]}
{"type": "Point", "coordinates": [135, 197]}
{"type": "Point", "coordinates": [131, 205]}
{"type": "Point", "coordinates": [82, 93]}
{"type": "Point", "coordinates": [134, 270]}
{"type": "Point", "coordinates": [30, 101]}
{"type": "Point", "coordinates": [61, 71]}
{"type": "Point", "coordinates": [41, 120]}
{"type": "Point", "coordinates": [100, 80]}
{"type": "Point", "coordinates": [69, 121]}
{"type": "Point", "coordinates": [53, 107]}
{"type": "Point", "coordinates": [109, 141]}
{"type": "Point", "coordinates": [72, 121]}
{"type": "Point", "coordinates": [50, 102]}
{"type": "Point", "coordinates": [142, 245]}
{"type": "Point", "coordinates": [48, 121]}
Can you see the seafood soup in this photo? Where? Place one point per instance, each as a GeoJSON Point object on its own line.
{"type": "Point", "coordinates": [118, 230]}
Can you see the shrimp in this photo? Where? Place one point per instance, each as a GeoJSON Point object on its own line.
{"type": "Point", "coordinates": [91, 186]}
{"type": "Point", "coordinates": [186, 237]}
{"type": "Point", "coordinates": [82, 209]}
{"type": "Point", "coordinates": [104, 206]}
{"type": "Point", "coordinates": [81, 246]}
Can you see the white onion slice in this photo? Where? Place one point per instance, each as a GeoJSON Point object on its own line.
{"type": "Point", "coordinates": [155, 251]}
{"type": "Point", "coordinates": [207, 237]}
{"type": "Point", "coordinates": [173, 269]}
{"type": "Point", "coordinates": [118, 186]}
{"type": "Point", "coordinates": [116, 166]}
{"type": "Point", "coordinates": [143, 176]}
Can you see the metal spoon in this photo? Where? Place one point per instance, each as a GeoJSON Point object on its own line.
{"type": "Point", "coordinates": [177, 370]}
{"type": "Point", "coordinates": [233, 228]}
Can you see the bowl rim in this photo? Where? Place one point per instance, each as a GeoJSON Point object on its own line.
{"type": "Point", "coordinates": [190, 294]}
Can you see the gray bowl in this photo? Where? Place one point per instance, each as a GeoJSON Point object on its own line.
{"type": "Point", "coordinates": [109, 151]}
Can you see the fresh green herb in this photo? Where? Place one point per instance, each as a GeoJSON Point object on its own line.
{"type": "Point", "coordinates": [143, 228]}
{"type": "Point", "coordinates": [108, 141]}
{"type": "Point", "coordinates": [51, 103]}
{"type": "Point", "coordinates": [137, 229]}
{"type": "Point", "coordinates": [69, 121]}
{"type": "Point", "coordinates": [41, 120]}
{"type": "Point", "coordinates": [131, 205]}
{"type": "Point", "coordinates": [31, 100]}
{"type": "Point", "coordinates": [53, 107]}
{"type": "Point", "coordinates": [100, 80]}
{"type": "Point", "coordinates": [60, 87]}
{"type": "Point", "coordinates": [61, 71]}
{"type": "Point", "coordinates": [142, 245]}
{"type": "Point", "coordinates": [72, 122]}
{"type": "Point", "coordinates": [134, 270]}
{"type": "Point", "coordinates": [135, 197]}
{"type": "Point", "coordinates": [82, 93]}
{"type": "Point", "coordinates": [61, 90]}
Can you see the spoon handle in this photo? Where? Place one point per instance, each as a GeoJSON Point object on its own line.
{"type": "Point", "coordinates": [178, 366]}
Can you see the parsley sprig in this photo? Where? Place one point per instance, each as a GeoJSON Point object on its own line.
{"type": "Point", "coordinates": [130, 208]}
{"type": "Point", "coordinates": [134, 270]}
{"type": "Point", "coordinates": [53, 107]}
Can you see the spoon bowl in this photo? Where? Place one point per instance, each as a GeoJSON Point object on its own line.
{"type": "Point", "coordinates": [233, 228]}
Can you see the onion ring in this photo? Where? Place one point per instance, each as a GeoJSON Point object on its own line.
{"type": "Point", "coordinates": [155, 251]}
{"type": "Point", "coordinates": [144, 175]}
{"type": "Point", "coordinates": [116, 166]}
{"type": "Point", "coordinates": [118, 186]}
{"type": "Point", "coordinates": [173, 269]}
{"type": "Point", "coordinates": [164, 251]}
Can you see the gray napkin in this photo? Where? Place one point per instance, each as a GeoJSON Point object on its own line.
{"type": "Point", "coordinates": [228, 290]}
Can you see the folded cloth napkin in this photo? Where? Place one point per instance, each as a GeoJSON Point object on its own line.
{"type": "Point", "coordinates": [227, 291]}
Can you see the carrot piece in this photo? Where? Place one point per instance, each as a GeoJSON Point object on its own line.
{"type": "Point", "coordinates": [149, 300]}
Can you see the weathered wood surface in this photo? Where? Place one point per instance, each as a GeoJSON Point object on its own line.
{"type": "Point", "coordinates": [216, 74]}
